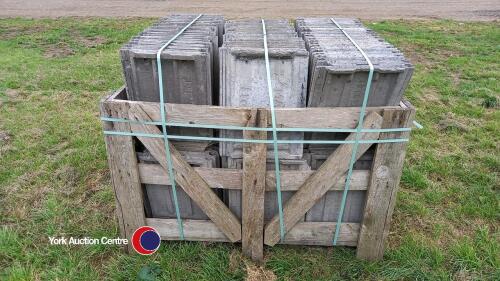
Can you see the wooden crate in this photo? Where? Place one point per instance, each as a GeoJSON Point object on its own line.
{"type": "Point", "coordinates": [380, 182]}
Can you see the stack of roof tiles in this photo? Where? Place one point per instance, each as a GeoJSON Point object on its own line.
{"type": "Point", "coordinates": [339, 72]}
{"type": "Point", "coordinates": [190, 76]}
{"type": "Point", "coordinates": [189, 63]}
{"type": "Point", "coordinates": [244, 81]}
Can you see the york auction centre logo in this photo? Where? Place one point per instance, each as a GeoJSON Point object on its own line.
{"type": "Point", "coordinates": [146, 240]}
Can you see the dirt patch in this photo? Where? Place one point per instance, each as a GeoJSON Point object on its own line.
{"type": "Point", "coordinates": [12, 93]}
{"type": "Point", "coordinates": [67, 177]}
{"type": "Point", "coordinates": [258, 273]}
{"type": "Point", "coordinates": [5, 143]}
{"type": "Point", "coordinates": [235, 260]}
{"type": "Point", "coordinates": [448, 53]}
{"type": "Point", "coordinates": [97, 181]}
{"type": "Point", "coordinates": [416, 56]}
{"type": "Point", "coordinates": [450, 122]}
{"type": "Point", "coordinates": [456, 78]}
{"type": "Point", "coordinates": [63, 49]}
{"type": "Point", "coordinates": [13, 32]}
{"type": "Point", "coordinates": [430, 95]}
{"type": "Point", "coordinates": [60, 151]}
{"type": "Point", "coordinates": [91, 42]}
{"type": "Point", "coordinates": [464, 275]}
{"type": "Point", "coordinates": [57, 148]}
{"type": "Point", "coordinates": [59, 50]}
{"type": "Point", "coordinates": [4, 137]}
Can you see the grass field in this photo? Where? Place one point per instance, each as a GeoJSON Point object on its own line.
{"type": "Point", "coordinates": [54, 179]}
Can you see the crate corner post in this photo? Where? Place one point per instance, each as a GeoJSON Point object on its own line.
{"type": "Point", "coordinates": [124, 174]}
{"type": "Point", "coordinates": [383, 185]}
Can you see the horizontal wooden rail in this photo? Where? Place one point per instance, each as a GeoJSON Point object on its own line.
{"type": "Point", "coordinates": [321, 234]}
{"type": "Point", "coordinates": [232, 178]}
{"type": "Point", "coordinates": [194, 230]}
{"type": "Point", "coordinates": [310, 117]}
{"type": "Point", "coordinates": [303, 233]}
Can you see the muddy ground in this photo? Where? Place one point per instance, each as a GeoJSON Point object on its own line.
{"type": "Point", "coordinates": [476, 10]}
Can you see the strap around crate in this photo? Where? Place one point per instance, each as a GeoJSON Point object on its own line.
{"type": "Point", "coordinates": [275, 134]}
{"type": "Point", "coordinates": [358, 133]}
{"type": "Point", "coordinates": [164, 126]}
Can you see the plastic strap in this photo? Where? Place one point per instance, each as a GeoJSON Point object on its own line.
{"type": "Point", "coordinates": [275, 134]}
{"type": "Point", "coordinates": [164, 126]}
{"type": "Point", "coordinates": [228, 127]}
{"type": "Point", "coordinates": [358, 133]}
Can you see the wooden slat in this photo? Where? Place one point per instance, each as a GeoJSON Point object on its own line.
{"type": "Point", "coordinates": [321, 234]}
{"type": "Point", "coordinates": [232, 178]}
{"type": "Point", "coordinates": [383, 186]}
{"type": "Point", "coordinates": [303, 233]}
{"type": "Point", "coordinates": [311, 117]}
{"type": "Point", "coordinates": [190, 181]}
{"type": "Point", "coordinates": [194, 230]}
{"type": "Point", "coordinates": [125, 177]}
{"type": "Point", "coordinates": [320, 182]}
{"type": "Point", "coordinates": [254, 176]}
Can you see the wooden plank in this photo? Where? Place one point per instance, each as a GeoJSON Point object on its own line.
{"type": "Point", "coordinates": [190, 181]}
{"type": "Point", "coordinates": [125, 177]}
{"type": "Point", "coordinates": [194, 230]}
{"type": "Point", "coordinates": [320, 182]}
{"type": "Point", "coordinates": [321, 234]}
{"type": "Point", "coordinates": [293, 180]}
{"type": "Point", "coordinates": [214, 177]}
{"type": "Point", "coordinates": [310, 117]}
{"type": "Point", "coordinates": [254, 176]}
{"type": "Point", "coordinates": [383, 186]}
{"type": "Point", "coordinates": [327, 208]}
{"type": "Point", "coordinates": [232, 178]}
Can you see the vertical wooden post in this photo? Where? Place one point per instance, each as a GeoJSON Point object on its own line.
{"type": "Point", "coordinates": [252, 195]}
{"type": "Point", "coordinates": [383, 185]}
{"type": "Point", "coordinates": [124, 176]}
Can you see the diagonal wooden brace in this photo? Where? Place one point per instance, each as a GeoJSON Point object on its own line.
{"type": "Point", "coordinates": [321, 181]}
{"type": "Point", "coordinates": [190, 181]}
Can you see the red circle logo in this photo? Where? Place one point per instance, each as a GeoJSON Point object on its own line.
{"type": "Point", "coordinates": [146, 240]}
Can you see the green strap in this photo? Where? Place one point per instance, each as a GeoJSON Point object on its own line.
{"type": "Point", "coordinates": [358, 133]}
{"type": "Point", "coordinates": [418, 125]}
{"type": "Point", "coordinates": [164, 126]}
{"type": "Point", "coordinates": [275, 134]}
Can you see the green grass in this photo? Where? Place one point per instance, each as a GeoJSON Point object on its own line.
{"type": "Point", "coordinates": [54, 178]}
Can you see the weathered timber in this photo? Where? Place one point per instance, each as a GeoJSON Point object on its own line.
{"type": "Point", "coordinates": [124, 176]}
{"type": "Point", "coordinates": [254, 176]}
{"type": "Point", "coordinates": [192, 183]}
{"type": "Point", "coordinates": [232, 178]}
{"type": "Point", "coordinates": [321, 233]}
{"type": "Point", "coordinates": [319, 182]}
{"type": "Point", "coordinates": [194, 230]}
{"type": "Point", "coordinates": [384, 182]}
{"type": "Point", "coordinates": [312, 117]}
